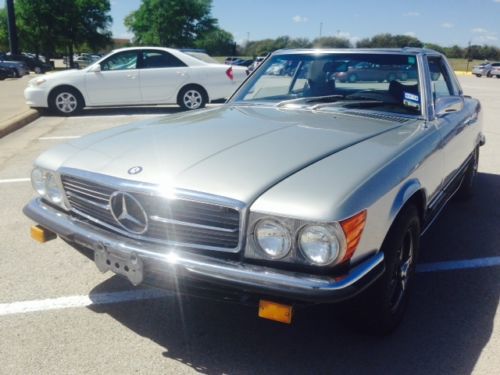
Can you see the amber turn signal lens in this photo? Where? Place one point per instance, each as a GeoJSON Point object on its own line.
{"type": "Point", "coordinates": [275, 311]}
{"type": "Point", "coordinates": [353, 228]}
{"type": "Point", "coordinates": [41, 234]}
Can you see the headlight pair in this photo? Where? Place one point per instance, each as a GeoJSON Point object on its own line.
{"type": "Point", "coordinates": [295, 241]}
{"type": "Point", "coordinates": [48, 185]}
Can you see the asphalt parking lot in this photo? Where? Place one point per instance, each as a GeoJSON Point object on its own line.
{"type": "Point", "coordinates": [58, 314]}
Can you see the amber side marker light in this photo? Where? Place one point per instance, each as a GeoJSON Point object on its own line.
{"type": "Point", "coordinates": [41, 234]}
{"type": "Point", "coordinates": [353, 229]}
{"type": "Point", "coordinates": [275, 311]}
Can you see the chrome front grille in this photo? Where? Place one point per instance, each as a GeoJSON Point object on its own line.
{"type": "Point", "coordinates": [183, 222]}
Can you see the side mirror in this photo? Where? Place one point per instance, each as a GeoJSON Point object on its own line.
{"type": "Point", "coordinates": [95, 68]}
{"type": "Point", "coordinates": [448, 104]}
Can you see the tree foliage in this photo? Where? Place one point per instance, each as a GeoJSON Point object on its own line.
{"type": "Point", "coordinates": [389, 41]}
{"type": "Point", "coordinates": [48, 25]}
{"type": "Point", "coordinates": [4, 34]}
{"type": "Point", "coordinates": [264, 46]}
{"type": "Point", "coordinates": [216, 42]}
{"type": "Point", "coordinates": [332, 42]}
{"type": "Point", "coordinates": [171, 23]}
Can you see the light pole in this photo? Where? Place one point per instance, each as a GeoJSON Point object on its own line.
{"type": "Point", "coordinates": [320, 29]}
{"type": "Point", "coordinates": [11, 20]}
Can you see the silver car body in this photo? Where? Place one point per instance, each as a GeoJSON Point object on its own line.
{"type": "Point", "coordinates": [318, 166]}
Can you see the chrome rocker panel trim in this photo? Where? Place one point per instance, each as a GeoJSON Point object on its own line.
{"type": "Point", "coordinates": [226, 273]}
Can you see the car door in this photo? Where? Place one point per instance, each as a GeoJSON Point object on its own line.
{"type": "Point", "coordinates": [456, 125]}
{"type": "Point", "coordinates": [117, 81]}
{"type": "Point", "coordinates": [161, 76]}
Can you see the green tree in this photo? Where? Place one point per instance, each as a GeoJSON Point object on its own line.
{"type": "Point", "coordinates": [82, 22]}
{"type": "Point", "coordinates": [48, 25]}
{"type": "Point", "coordinates": [389, 41]}
{"type": "Point", "coordinates": [171, 23]}
{"type": "Point", "coordinates": [4, 34]}
{"type": "Point", "coordinates": [332, 42]}
{"type": "Point", "coordinates": [216, 42]}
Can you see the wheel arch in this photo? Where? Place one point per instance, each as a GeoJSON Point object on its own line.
{"type": "Point", "coordinates": [411, 192]}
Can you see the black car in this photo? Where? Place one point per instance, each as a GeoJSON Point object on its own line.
{"type": "Point", "coordinates": [5, 73]}
{"type": "Point", "coordinates": [33, 63]}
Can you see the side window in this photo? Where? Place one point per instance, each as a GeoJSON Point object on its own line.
{"type": "Point", "coordinates": [160, 59]}
{"type": "Point", "coordinates": [121, 61]}
{"type": "Point", "coordinates": [441, 83]}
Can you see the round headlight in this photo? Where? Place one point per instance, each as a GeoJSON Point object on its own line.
{"type": "Point", "coordinates": [319, 244]}
{"type": "Point", "coordinates": [38, 181]}
{"type": "Point", "coordinates": [273, 238]}
{"type": "Point", "coordinates": [53, 191]}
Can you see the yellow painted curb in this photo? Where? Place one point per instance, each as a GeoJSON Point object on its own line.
{"type": "Point", "coordinates": [462, 73]}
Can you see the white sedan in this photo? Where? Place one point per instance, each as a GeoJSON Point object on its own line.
{"type": "Point", "coordinates": [136, 76]}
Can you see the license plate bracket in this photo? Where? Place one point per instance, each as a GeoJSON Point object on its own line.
{"type": "Point", "coordinates": [130, 265]}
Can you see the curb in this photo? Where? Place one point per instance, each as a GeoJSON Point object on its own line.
{"type": "Point", "coordinates": [17, 122]}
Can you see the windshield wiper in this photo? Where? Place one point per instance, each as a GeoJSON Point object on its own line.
{"type": "Point", "coordinates": [311, 99]}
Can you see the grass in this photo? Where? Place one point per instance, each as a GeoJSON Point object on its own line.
{"type": "Point", "coordinates": [461, 64]}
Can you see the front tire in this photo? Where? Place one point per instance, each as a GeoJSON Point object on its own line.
{"type": "Point", "coordinates": [66, 101]}
{"type": "Point", "coordinates": [478, 75]}
{"type": "Point", "coordinates": [38, 70]}
{"type": "Point", "coordinates": [192, 97]}
{"type": "Point", "coordinates": [380, 309]}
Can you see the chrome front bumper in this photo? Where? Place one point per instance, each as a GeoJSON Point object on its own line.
{"type": "Point", "coordinates": [235, 275]}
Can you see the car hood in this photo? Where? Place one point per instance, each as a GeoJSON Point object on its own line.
{"type": "Point", "coordinates": [232, 151]}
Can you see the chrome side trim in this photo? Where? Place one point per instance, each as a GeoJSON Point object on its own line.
{"type": "Point", "coordinates": [227, 273]}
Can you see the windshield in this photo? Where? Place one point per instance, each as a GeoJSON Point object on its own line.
{"type": "Point", "coordinates": [386, 82]}
{"type": "Point", "coordinates": [203, 57]}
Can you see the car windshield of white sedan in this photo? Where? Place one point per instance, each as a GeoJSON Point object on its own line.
{"type": "Point", "coordinates": [386, 82]}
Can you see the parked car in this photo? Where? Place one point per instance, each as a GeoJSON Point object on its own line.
{"type": "Point", "coordinates": [32, 63]}
{"type": "Point", "coordinates": [243, 62]}
{"type": "Point", "coordinates": [5, 73]}
{"type": "Point", "coordinates": [495, 71]}
{"type": "Point", "coordinates": [295, 191]}
{"type": "Point", "coordinates": [132, 76]}
{"type": "Point", "coordinates": [19, 68]}
{"type": "Point", "coordinates": [484, 69]}
{"type": "Point", "coordinates": [258, 60]}
{"type": "Point", "coordinates": [229, 60]}
{"type": "Point", "coordinates": [368, 71]}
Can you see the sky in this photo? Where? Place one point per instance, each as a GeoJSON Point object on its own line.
{"type": "Point", "coordinates": [445, 22]}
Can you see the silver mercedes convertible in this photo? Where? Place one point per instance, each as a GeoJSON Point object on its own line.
{"type": "Point", "coordinates": [312, 184]}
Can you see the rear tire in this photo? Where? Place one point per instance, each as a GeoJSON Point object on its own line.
{"type": "Point", "coordinates": [380, 309]}
{"type": "Point", "coordinates": [192, 97]}
{"type": "Point", "coordinates": [478, 75]}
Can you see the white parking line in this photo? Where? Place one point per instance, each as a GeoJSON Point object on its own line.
{"type": "Point", "coordinates": [59, 137]}
{"type": "Point", "coordinates": [80, 301]}
{"type": "Point", "coordinates": [142, 294]}
{"type": "Point", "coordinates": [11, 180]}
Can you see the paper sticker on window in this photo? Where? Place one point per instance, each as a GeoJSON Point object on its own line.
{"type": "Point", "coordinates": [411, 60]}
{"type": "Point", "coordinates": [411, 100]}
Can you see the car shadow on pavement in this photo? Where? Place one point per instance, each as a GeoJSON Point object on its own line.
{"type": "Point", "coordinates": [448, 323]}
